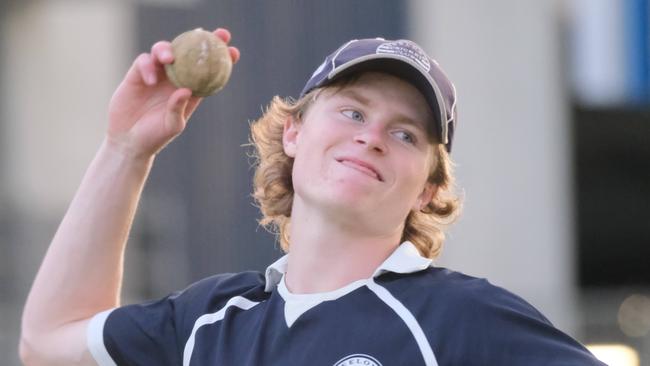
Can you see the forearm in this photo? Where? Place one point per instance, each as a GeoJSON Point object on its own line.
{"type": "Point", "coordinates": [82, 270]}
{"type": "Point", "coordinates": [81, 274]}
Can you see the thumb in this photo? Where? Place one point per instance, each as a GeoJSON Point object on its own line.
{"type": "Point", "coordinates": [175, 120]}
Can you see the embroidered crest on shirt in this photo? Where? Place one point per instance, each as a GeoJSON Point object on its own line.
{"type": "Point", "coordinates": [358, 360]}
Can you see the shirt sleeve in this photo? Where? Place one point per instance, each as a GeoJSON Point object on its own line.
{"type": "Point", "coordinates": [156, 332]}
{"type": "Point", "coordinates": [142, 334]}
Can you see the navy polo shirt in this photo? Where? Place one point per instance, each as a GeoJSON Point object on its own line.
{"type": "Point", "coordinates": [408, 313]}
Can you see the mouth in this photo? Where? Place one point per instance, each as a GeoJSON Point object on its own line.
{"type": "Point", "coordinates": [361, 166]}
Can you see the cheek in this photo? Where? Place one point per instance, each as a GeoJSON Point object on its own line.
{"type": "Point", "coordinates": [306, 162]}
{"type": "Point", "coordinates": [300, 164]}
{"type": "Point", "coordinates": [418, 174]}
{"type": "Point", "coordinates": [317, 140]}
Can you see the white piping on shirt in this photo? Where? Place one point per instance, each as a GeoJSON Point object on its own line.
{"type": "Point", "coordinates": [95, 339]}
{"type": "Point", "coordinates": [238, 301]}
{"type": "Point", "coordinates": [408, 319]}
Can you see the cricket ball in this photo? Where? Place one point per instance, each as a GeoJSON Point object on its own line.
{"type": "Point", "coordinates": [202, 62]}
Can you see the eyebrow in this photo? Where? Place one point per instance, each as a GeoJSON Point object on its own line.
{"type": "Point", "coordinates": [354, 95]}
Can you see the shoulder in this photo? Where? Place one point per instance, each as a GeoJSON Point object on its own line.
{"type": "Point", "coordinates": [457, 293]}
{"type": "Point", "coordinates": [467, 319]}
{"type": "Point", "coordinates": [204, 296]}
{"type": "Point", "coordinates": [214, 291]}
{"type": "Point", "coordinates": [481, 295]}
{"type": "Point", "coordinates": [228, 283]}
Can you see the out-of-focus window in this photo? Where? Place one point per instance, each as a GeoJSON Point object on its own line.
{"type": "Point", "coordinates": [609, 43]}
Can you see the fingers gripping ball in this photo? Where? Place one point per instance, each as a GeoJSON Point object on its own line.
{"type": "Point", "coordinates": [202, 62]}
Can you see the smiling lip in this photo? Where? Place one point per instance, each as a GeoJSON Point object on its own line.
{"type": "Point", "coordinates": [361, 166]}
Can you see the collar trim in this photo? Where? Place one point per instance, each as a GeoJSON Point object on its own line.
{"type": "Point", "coordinates": [405, 259]}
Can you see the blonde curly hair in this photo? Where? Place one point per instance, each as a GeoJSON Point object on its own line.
{"type": "Point", "coordinates": [273, 186]}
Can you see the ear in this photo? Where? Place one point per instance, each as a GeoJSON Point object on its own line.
{"type": "Point", "coordinates": [425, 197]}
{"type": "Point", "coordinates": [290, 136]}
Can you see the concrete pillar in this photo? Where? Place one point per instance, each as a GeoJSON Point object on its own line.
{"type": "Point", "coordinates": [512, 149]}
{"type": "Point", "coordinates": [63, 59]}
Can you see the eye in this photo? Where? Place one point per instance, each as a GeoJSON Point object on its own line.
{"type": "Point", "coordinates": [406, 137]}
{"type": "Point", "coordinates": [353, 114]}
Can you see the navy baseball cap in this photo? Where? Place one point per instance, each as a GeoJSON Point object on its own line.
{"type": "Point", "coordinates": [402, 58]}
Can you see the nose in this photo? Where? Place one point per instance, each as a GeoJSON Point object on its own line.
{"type": "Point", "coordinates": [372, 139]}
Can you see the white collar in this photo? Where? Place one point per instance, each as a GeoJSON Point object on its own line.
{"type": "Point", "coordinates": [405, 259]}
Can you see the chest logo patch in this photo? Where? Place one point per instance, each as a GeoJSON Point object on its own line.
{"type": "Point", "coordinates": [358, 360]}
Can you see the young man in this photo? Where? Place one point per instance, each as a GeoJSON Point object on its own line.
{"type": "Point", "coordinates": [356, 178]}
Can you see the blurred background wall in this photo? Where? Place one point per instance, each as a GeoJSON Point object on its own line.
{"type": "Point", "coordinates": [552, 151]}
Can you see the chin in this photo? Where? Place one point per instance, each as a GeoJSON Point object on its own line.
{"type": "Point", "coordinates": [341, 194]}
{"type": "Point", "coordinates": [351, 200]}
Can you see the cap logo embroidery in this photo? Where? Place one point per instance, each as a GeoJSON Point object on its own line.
{"type": "Point", "coordinates": [358, 360]}
{"type": "Point", "coordinates": [408, 50]}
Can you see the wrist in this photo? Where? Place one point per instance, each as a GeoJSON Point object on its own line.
{"type": "Point", "coordinates": [121, 151]}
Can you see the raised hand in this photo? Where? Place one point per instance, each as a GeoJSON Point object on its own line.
{"type": "Point", "coordinates": [146, 111]}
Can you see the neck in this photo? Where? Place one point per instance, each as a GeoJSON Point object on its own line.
{"type": "Point", "coordinates": [329, 251]}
